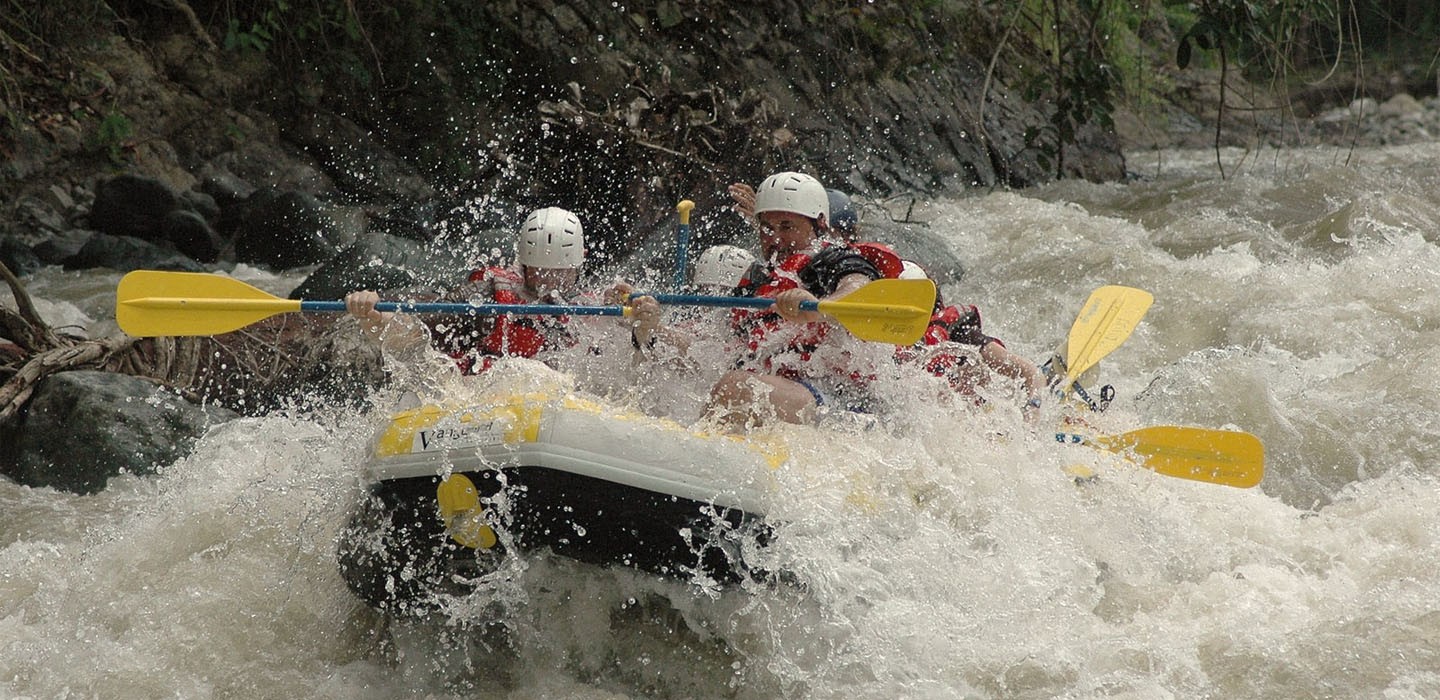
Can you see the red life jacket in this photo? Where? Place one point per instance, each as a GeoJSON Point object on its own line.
{"type": "Point", "coordinates": [509, 336]}
{"type": "Point", "coordinates": [882, 256]}
{"type": "Point", "coordinates": [755, 325]}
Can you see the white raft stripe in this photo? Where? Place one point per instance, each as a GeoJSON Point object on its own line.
{"type": "Point", "coordinates": [574, 461]}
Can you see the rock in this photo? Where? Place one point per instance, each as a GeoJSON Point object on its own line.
{"type": "Point", "coordinates": [30, 150]}
{"type": "Point", "coordinates": [158, 158]}
{"type": "Point", "coordinates": [201, 203]}
{"type": "Point", "coordinates": [59, 248]}
{"type": "Point", "coordinates": [226, 189]}
{"type": "Point", "coordinates": [18, 257]}
{"type": "Point", "coordinates": [83, 427]}
{"type": "Point", "coordinates": [131, 205]}
{"type": "Point", "coordinates": [268, 164]}
{"type": "Point", "coordinates": [191, 235]}
{"type": "Point", "coordinates": [357, 161]}
{"type": "Point", "coordinates": [382, 262]}
{"type": "Point", "coordinates": [289, 229]}
{"type": "Point", "coordinates": [1364, 107]}
{"type": "Point", "coordinates": [39, 216]}
{"type": "Point", "coordinates": [1401, 105]}
{"type": "Point", "coordinates": [126, 253]}
{"type": "Point", "coordinates": [60, 198]}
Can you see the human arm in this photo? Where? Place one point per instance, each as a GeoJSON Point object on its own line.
{"type": "Point", "coordinates": [1000, 359]}
{"type": "Point", "coordinates": [644, 320]}
{"type": "Point", "coordinates": [787, 303]}
{"type": "Point", "coordinates": [392, 332]}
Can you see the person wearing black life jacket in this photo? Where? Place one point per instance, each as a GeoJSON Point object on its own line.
{"type": "Point", "coordinates": [956, 347]}
{"type": "Point", "coordinates": [776, 378]}
{"type": "Point", "coordinates": [549, 253]}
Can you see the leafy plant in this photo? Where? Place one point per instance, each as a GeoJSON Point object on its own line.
{"type": "Point", "coordinates": [113, 136]}
{"type": "Point", "coordinates": [1083, 42]}
{"type": "Point", "coordinates": [1261, 36]}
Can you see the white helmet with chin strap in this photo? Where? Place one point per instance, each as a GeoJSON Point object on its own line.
{"type": "Point", "coordinates": [796, 193]}
{"type": "Point", "coordinates": [722, 266]}
{"type": "Point", "coordinates": [551, 238]}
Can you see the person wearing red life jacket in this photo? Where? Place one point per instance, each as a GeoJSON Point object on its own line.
{"type": "Point", "coordinates": [956, 347]}
{"type": "Point", "coordinates": [776, 379]}
{"type": "Point", "coordinates": [549, 253]}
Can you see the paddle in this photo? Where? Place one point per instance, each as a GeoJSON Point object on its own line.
{"type": "Point", "coordinates": [682, 241]}
{"type": "Point", "coordinates": [890, 311]}
{"type": "Point", "coordinates": [462, 513]}
{"type": "Point", "coordinates": [152, 303]}
{"type": "Point", "coordinates": [1109, 316]}
{"type": "Point", "coordinates": [1225, 457]}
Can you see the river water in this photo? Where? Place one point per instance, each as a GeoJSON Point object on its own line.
{"type": "Point", "coordinates": [1295, 300]}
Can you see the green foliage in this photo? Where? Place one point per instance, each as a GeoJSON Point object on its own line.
{"type": "Point", "coordinates": [113, 136]}
{"type": "Point", "coordinates": [256, 38]}
{"type": "Point", "coordinates": [1263, 35]}
{"type": "Point", "coordinates": [1092, 53]}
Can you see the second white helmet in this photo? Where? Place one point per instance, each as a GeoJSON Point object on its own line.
{"type": "Point", "coordinates": [797, 193]}
{"type": "Point", "coordinates": [551, 238]}
{"type": "Point", "coordinates": [912, 271]}
{"type": "Point", "coordinates": [722, 266]}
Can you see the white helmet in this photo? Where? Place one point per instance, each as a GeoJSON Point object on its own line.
{"type": "Point", "coordinates": [797, 193]}
{"type": "Point", "coordinates": [722, 266]}
{"type": "Point", "coordinates": [551, 238]}
{"type": "Point", "coordinates": [912, 271]}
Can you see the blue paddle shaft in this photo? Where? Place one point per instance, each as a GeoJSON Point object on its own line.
{"type": "Point", "coordinates": [682, 251]}
{"type": "Point", "coordinates": [729, 302]}
{"type": "Point", "coordinates": [408, 307]}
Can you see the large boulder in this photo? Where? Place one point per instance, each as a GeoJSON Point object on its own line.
{"type": "Point", "coordinates": [148, 209]}
{"type": "Point", "coordinates": [83, 427]}
{"type": "Point", "coordinates": [286, 229]}
{"type": "Point", "coordinates": [131, 205]}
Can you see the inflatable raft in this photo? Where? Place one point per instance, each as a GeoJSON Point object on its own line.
{"type": "Point", "coordinates": [452, 489]}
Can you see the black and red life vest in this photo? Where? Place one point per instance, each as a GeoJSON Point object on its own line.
{"type": "Point", "coordinates": [505, 335]}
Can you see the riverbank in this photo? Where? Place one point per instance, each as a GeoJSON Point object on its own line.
{"type": "Point", "coordinates": [1189, 115]}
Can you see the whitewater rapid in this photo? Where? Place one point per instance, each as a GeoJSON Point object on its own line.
{"type": "Point", "coordinates": [1295, 300]}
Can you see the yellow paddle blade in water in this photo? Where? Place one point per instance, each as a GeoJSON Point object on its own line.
{"type": "Point", "coordinates": [1226, 457]}
{"type": "Point", "coordinates": [460, 510]}
{"type": "Point", "coordinates": [885, 311]}
{"type": "Point", "coordinates": [1109, 316]}
{"type": "Point", "coordinates": [151, 303]}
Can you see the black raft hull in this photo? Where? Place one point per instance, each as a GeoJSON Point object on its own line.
{"type": "Point", "coordinates": [453, 490]}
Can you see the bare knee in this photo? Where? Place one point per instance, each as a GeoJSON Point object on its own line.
{"type": "Point", "coordinates": [743, 400]}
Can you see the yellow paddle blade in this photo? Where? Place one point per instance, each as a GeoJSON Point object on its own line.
{"type": "Point", "coordinates": [885, 311]}
{"type": "Point", "coordinates": [455, 495]}
{"type": "Point", "coordinates": [1226, 457]}
{"type": "Point", "coordinates": [150, 303]}
{"type": "Point", "coordinates": [1107, 319]}
{"type": "Point", "coordinates": [460, 510]}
